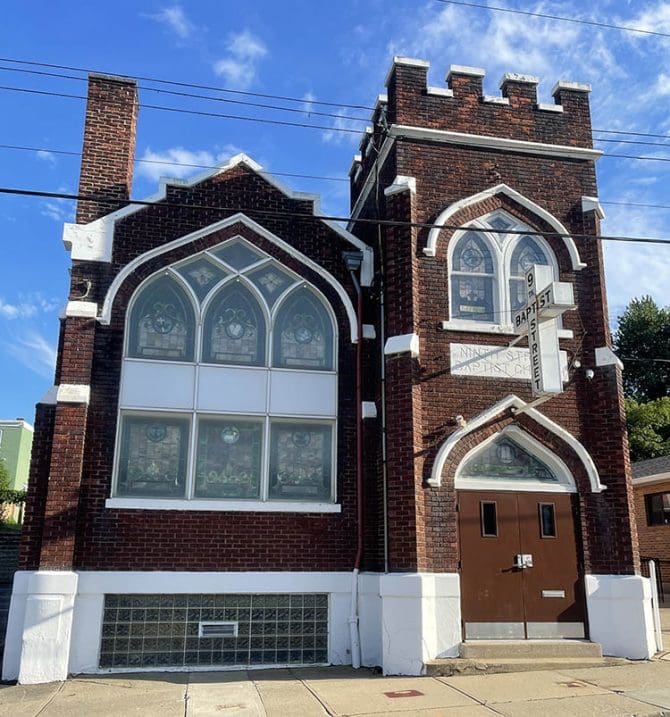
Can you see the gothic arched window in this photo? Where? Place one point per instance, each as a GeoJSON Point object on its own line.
{"type": "Point", "coordinates": [472, 279]}
{"type": "Point", "coordinates": [526, 253]}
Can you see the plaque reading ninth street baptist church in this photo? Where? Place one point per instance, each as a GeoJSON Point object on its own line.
{"type": "Point", "coordinates": [495, 361]}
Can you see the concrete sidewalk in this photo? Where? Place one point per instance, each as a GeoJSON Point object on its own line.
{"type": "Point", "coordinates": [640, 689]}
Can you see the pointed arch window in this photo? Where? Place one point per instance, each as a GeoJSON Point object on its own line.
{"type": "Point", "coordinates": [162, 323]}
{"type": "Point", "coordinates": [303, 334]}
{"type": "Point", "coordinates": [505, 459]}
{"type": "Point", "coordinates": [526, 253]}
{"type": "Point", "coordinates": [234, 329]}
{"type": "Point", "coordinates": [472, 279]}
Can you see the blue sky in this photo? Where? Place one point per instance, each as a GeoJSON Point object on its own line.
{"type": "Point", "coordinates": [337, 52]}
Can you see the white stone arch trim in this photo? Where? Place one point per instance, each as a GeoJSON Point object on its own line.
{"type": "Point", "coordinates": [452, 209]}
{"type": "Point", "coordinates": [94, 241]}
{"type": "Point", "coordinates": [106, 314]}
{"type": "Point", "coordinates": [566, 481]}
{"type": "Point", "coordinates": [506, 404]}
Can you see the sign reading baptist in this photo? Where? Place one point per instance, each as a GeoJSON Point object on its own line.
{"type": "Point", "coordinates": [538, 319]}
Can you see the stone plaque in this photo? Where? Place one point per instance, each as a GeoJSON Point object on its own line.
{"type": "Point", "coordinates": [495, 361]}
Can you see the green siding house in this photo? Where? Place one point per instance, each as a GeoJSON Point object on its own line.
{"type": "Point", "coordinates": [16, 441]}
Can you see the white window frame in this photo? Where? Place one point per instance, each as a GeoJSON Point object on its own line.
{"type": "Point", "coordinates": [502, 247]}
{"type": "Point", "coordinates": [263, 503]}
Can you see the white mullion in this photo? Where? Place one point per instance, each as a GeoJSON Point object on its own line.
{"type": "Point", "coordinates": [190, 473]}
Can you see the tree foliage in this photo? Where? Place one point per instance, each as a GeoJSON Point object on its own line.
{"type": "Point", "coordinates": [648, 428]}
{"type": "Point", "coordinates": [643, 335]}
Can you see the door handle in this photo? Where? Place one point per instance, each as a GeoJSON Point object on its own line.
{"type": "Point", "coordinates": [523, 561]}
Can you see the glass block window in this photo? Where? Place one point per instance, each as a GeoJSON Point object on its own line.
{"type": "Point", "coordinates": [228, 463]}
{"type": "Point", "coordinates": [202, 275]}
{"type": "Point", "coordinates": [162, 323]}
{"type": "Point", "coordinates": [234, 329]}
{"type": "Point", "coordinates": [472, 280]}
{"type": "Point", "coordinates": [303, 334]}
{"type": "Point", "coordinates": [300, 461]}
{"type": "Point", "coordinates": [153, 457]}
{"type": "Point", "coordinates": [526, 253]}
{"type": "Point", "coordinates": [158, 631]}
{"type": "Point", "coordinates": [505, 459]}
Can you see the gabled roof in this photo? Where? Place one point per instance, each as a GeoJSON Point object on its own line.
{"type": "Point", "coordinates": [93, 241]}
{"type": "Point", "coordinates": [651, 467]}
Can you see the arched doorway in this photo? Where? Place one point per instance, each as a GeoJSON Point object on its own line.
{"type": "Point", "coordinates": [521, 576]}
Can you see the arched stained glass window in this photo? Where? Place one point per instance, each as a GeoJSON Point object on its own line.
{"type": "Point", "coordinates": [472, 279]}
{"type": "Point", "coordinates": [162, 323]}
{"type": "Point", "coordinates": [234, 329]}
{"type": "Point", "coordinates": [505, 459]}
{"type": "Point", "coordinates": [526, 253]}
{"type": "Point", "coordinates": [303, 334]}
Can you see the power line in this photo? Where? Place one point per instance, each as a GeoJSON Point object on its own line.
{"type": "Point", "coordinates": [632, 134]}
{"type": "Point", "coordinates": [283, 214]}
{"type": "Point", "coordinates": [162, 81]}
{"type": "Point", "coordinates": [545, 16]}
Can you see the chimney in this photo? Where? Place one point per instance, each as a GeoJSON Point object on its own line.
{"type": "Point", "coordinates": [109, 145]}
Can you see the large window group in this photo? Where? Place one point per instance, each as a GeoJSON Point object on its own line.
{"type": "Point", "coordinates": [488, 262]}
{"type": "Point", "coordinates": [228, 385]}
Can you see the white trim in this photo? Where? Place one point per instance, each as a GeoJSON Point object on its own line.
{"type": "Point", "coordinates": [106, 314]}
{"type": "Point", "coordinates": [73, 393]}
{"type": "Point", "coordinates": [223, 505]}
{"type": "Point", "coordinates": [500, 143]}
{"type": "Point", "coordinates": [649, 480]}
{"type": "Point", "coordinates": [439, 91]}
{"type": "Point", "coordinates": [566, 480]}
{"type": "Point", "coordinates": [355, 163]}
{"type": "Point", "coordinates": [401, 184]}
{"type": "Point", "coordinates": [483, 327]}
{"type": "Point", "coordinates": [571, 86]}
{"type": "Point", "coordinates": [94, 241]}
{"type": "Point", "coordinates": [606, 357]}
{"type": "Point", "coordinates": [516, 77]}
{"type": "Point", "coordinates": [465, 70]}
{"type": "Point", "coordinates": [407, 343]}
{"type": "Point", "coordinates": [369, 409]}
{"type": "Point", "coordinates": [548, 107]}
{"type": "Point", "coordinates": [408, 62]}
{"type": "Point", "coordinates": [495, 100]}
{"type": "Point", "coordinates": [502, 406]}
{"type": "Point", "coordinates": [592, 204]}
{"type": "Point", "coordinates": [370, 179]}
{"type": "Point", "coordinates": [366, 136]}
{"type": "Point", "coordinates": [431, 245]}
{"type": "Point", "coordinates": [86, 309]}
{"type": "Point", "coordinates": [369, 331]}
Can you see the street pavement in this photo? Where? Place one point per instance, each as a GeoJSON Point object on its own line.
{"type": "Point", "coordinates": [639, 689]}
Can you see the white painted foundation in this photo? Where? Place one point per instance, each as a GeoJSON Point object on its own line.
{"type": "Point", "coordinates": [620, 615]}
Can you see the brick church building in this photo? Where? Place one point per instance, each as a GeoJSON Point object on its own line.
{"type": "Point", "coordinates": [274, 441]}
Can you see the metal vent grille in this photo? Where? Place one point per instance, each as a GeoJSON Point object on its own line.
{"type": "Point", "coordinates": [217, 629]}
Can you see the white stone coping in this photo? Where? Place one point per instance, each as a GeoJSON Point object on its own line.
{"type": "Point", "coordinates": [406, 343]}
{"type": "Point", "coordinates": [592, 204]}
{"type": "Point", "coordinates": [465, 70]}
{"type": "Point", "coordinates": [84, 309]}
{"type": "Point", "coordinates": [495, 100]}
{"type": "Point", "coordinates": [401, 184]}
{"type": "Point", "coordinates": [516, 77]}
{"type": "Point", "coordinates": [367, 132]}
{"type": "Point", "coordinates": [548, 107]}
{"type": "Point", "coordinates": [408, 62]}
{"type": "Point", "coordinates": [606, 357]}
{"type": "Point", "coordinates": [439, 91]}
{"type": "Point", "coordinates": [572, 86]}
{"type": "Point", "coordinates": [49, 397]}
{"type": "Point", "coordinates": [73, 393]}
{"type": "Point", "coordinates": [223, 505]}
{"type": "Point", "coordinates": [355, 162]}
{"type": "Point", "coordinates": [483, 327]}
{"type": "Point", "coordinates": [369, 409]}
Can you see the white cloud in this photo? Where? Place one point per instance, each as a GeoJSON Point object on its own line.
{"type": "Point", "coordinates": [174, 18]}
{"type": "Point", "coordinates": [238, 69]}
{"type": "Point", "coordinates": [661, 87]}
{"type": "Point", "coordinates": [45, 156]}
{"type": "Point", "coordinates": [59, 210]}
{"type": "Point", "coordinates": [180, 162]}
{"type": "Point", "coordinates": [654, 19]}
{"type": "Point", "coordinates": [26, 307]}
{"type": "Point", "coordinates": [308, 105]}
{"type": "Point", "coordinates": [341, 131]}
{"type": "Point", "coordinates": [35, 352]}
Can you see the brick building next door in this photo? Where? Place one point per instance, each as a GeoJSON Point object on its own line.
{"type": "Point", "coordinates": [520, 576]}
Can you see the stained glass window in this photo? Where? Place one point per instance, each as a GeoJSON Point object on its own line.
{"type": "Point", "coordinates": [507, 460]}
{"type": "Point", "coordinates": [300, 461]}
{"type": "Point", "coordinates": [153, 457]}
{"type": "Point", "coordinates": [238, 254]}
{"type": "Point", "coordinates": [271, 281]}
{"type": "Point", "coordinates": [303, 334]}
{"type": "Point", "coordinates": [526, 253]}
{"type": "Point", "coordinates": [228, 463]}
{"type": "Point", "coordinates": [472, 279]}
{"type": "Point", "coordinates": [202, 275]}
{"type": "Point", "coordinates": [162, 323]}
{"type": "Point", "coordinates": [234, 329]}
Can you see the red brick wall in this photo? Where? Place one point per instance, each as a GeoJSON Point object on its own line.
{"type": "Point", "coordinates": [654, 539]}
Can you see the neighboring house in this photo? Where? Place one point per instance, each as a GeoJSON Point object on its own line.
{"type": "Point", "coordinates": [16, 441]}
{"type": "Point", "coordinates": [274, 441]}
{"type": "Point", "coordinates": [651, 486]}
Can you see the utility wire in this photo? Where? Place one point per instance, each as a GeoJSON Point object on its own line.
{"type": "Point", "coordinates": [545, 16]}
{"type": "Point", "coordinates": [283, 214]}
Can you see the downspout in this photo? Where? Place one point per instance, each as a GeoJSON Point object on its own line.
{"type": "Point", "coordinates": [353, 262]}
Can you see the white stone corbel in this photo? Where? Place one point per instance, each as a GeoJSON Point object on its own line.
{"type": "Point", "coordinates": [592, 204]}
{"type": "Point", "coordinates": [369, 409]}
{"type": "Point", "coordinates": [369, 331]}
{"type": "Point", "coordinates": [85, 309]}
{"type": "Point", "coordinates": [606, 357]}
{"type": "Point", "coordinates": [49, 397]}
{"type": "Point", "coordinates": [401, 184]}
{"type": "Point", "coordinates": [407, 343]}
{"type": "Point", "coordinates": [73, 393]}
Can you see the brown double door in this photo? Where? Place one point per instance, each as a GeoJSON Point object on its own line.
{"type": "Point", "coordinates": [520, 573]}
